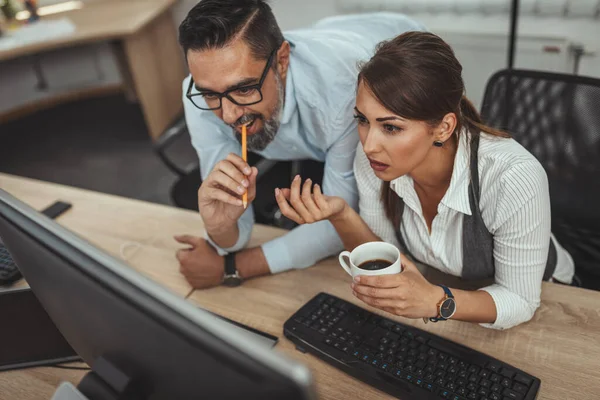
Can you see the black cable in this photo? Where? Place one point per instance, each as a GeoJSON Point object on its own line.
{"type": "Point", "coordinates": [68, 367]}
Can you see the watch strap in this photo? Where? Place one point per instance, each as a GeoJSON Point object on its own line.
{"type": "Point", "coordinates": [230, 267]}
{"type": "Point", "coordinates": [449, 295]}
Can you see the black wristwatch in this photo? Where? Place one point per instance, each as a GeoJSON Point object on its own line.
{"type": "Point", "coordinates": [231, 277]}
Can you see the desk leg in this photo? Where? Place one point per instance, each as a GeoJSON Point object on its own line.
{"type": "Point", "coordinates": [156, 67]}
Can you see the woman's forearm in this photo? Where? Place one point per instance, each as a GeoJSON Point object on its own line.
{"type": "Point", "coordinates": [474, 306]}
{"type": "Point", "coordinates": [352, 229]}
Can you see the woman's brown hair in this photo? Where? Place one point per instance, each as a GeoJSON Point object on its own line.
{"type": "Point", "coordinates": [417, 76]}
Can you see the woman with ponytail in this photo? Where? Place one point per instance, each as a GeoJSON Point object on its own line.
{"type": "Point", "coordinates": [455, 195]}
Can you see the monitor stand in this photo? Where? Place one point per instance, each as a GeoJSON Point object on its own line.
{"type": "Point", "coordinates": [66, 391]}
{"type": "Point", "coordinates": [103, 382]}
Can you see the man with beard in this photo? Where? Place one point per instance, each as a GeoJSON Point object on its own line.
{"type": "Point", "coordinates": [296, 93]}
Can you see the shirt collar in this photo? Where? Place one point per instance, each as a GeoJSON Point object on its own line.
{"type": "Point", "coordinates": [457, 195]}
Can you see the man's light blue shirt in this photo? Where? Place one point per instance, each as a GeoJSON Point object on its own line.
{"type": "Point", "coordinates": [316, 123]}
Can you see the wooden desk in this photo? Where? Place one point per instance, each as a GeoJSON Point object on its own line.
{"type": "Point", "coordinates": [145, 42]}
{"type": "Point", "coordinates": [563, 335]}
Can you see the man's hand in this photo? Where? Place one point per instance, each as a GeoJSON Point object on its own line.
{"type": "Point", "coordinates": [200, 264]}
{"type": "Point", "coordinates": [220, 195]}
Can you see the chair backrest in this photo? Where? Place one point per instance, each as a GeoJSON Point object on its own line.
{"type": "Point", "coordinates": [557, 118]}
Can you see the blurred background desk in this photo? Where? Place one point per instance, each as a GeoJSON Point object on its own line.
{"type": "Point", "coordinates": [142, 37]}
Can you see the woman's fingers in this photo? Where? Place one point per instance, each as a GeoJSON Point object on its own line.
{"type": "Point", "coordinates": [376, 292]}
{"type": "Point", "coordinates": [309, 201]}
{"type": "Point", "coordinates": [285, 207]}
{"type": "Point", "coordinates": [377, 302]}
{"type": "Point", "coordinates": [297, 202]}
{"type": "Point", "coordinates": [380, 281]}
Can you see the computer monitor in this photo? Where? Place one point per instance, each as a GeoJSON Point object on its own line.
{"type": "Point", "coordinates": [140, 340]}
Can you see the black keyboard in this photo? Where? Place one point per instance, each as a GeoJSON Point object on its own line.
{"type": "Point", "coordinates": [401, 360]}
{"type": "Point", "coordinates": [9, 273]}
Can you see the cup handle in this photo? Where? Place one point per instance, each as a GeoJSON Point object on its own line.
{"type": "Point", "coordinates": [343, 262]}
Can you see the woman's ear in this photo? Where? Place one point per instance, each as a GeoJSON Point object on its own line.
{"type": "Point", "coordinates": [446, 128]}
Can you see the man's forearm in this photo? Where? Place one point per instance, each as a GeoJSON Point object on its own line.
{"type": "Point", "coordinates": [224, 237]}
{"type": "Point", "coordinates": [251, 263]}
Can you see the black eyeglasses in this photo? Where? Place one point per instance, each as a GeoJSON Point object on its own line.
{"type": "Point", "coordinates": [241, 95]}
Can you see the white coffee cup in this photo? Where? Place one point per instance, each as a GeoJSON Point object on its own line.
{"type": "Point", "coordinates": [368, 252]}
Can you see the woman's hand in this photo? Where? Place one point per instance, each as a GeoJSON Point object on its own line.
{"type": "Point", "coordinates": [303, 207]}
{"type": "Point", "coordinates": [407, 294]}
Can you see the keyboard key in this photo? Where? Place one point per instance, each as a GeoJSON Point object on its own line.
{"type": "Point", "coordinates": [472, 387]}
{"type": "Point", "coordinates": [523, 379]}
{"type": "Point", "coordinates": [463, 382]}
{"type": "Point", "coordinates": [519, 387]}
{"type": "Point", "coordinates": [421, 339]}
{"type": "Point", "coordinates": [494, 396]}
{"type": "Point", "coordinates": [497, 388]}
{"type": "Point", "coordinates": [440, 382]}
{"type": "Point", "coordinates": [496, 378]}
{"type": "Point", "coordinates": [324, 330]}
{"type": "Point", "coordinates": [472, 396]}
{"type": "Point", "coordinates": [494, 366]}
{"type": "Point", "coordinates": [473, 378]}
{"type": "Point", "coordinates": [357, 354]}
{"type": "Point", "coordinates": [429, 387]}
{"type": "Point", "coordinates": [328, 341]}
{"type": "Point", "coordinates": [485, 373]}
{"type": "Point", "coordinates": [384, 366]}
{"type": "Point", "coordinates": [473, 369]}
{"type": "Point", "coordinates": [483, 392]}
{"type": "Point", "coordinates": [462, 391]}
{"type": "Point", "coordinates": [512, 395]}
{"type": "Point", "coordinates": [506, 383]}
{"type": "Point", "coordinates": [484, 383]}
{"type": "Point", "coordinates": [397, 329]}
{"type": "Point", "coordinates": [387, 324]}
{"type": "Point", "coordinates": [507, 372]}
{"type": "Point", "coordinates": [457, 397]}
{"type": "Point", "coordinates": [451, 386]}
{"type": "Point", "coordinates": [375, 362]}
{"type": "Point", "coordinates": [445, 394]}
{"type": "Point", "coordinates": [419, 382]}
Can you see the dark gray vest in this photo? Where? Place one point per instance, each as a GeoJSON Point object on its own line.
{"type": "Point", "coordinates": [478, 242]}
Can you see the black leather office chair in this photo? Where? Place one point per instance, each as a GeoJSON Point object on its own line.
{"type": "Point", "coordinates": [557, 118]}
{"type": "Point", "coordinates": [175, 142]}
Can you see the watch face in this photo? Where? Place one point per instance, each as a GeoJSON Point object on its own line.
{"type": "Point", "coordinates": [448, 308]}
{"type": "Point", "coordinates": [232, 280]}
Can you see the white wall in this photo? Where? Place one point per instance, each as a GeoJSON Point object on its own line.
{"type": "Point", "coordinates": [463, 31]}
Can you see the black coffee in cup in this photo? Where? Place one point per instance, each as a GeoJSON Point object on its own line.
{"type": "Point", "coordinates": [374, 265]}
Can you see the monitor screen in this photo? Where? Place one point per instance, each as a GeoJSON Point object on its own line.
{"type": "Point", "coordinates": [140, 340]}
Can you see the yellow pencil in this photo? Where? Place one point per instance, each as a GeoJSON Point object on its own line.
{"type": "Point", "coordinates": [245, 158]}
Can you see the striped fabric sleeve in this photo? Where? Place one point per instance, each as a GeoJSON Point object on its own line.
{"type": "Point", "coordinates": [521, 243]}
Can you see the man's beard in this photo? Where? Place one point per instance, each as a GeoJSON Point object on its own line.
{"type": "Point", "coordinates": [261, 139]}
